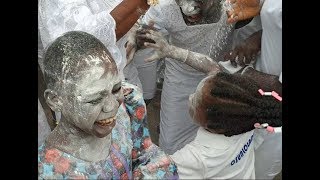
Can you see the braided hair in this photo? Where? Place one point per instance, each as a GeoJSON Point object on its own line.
{"type": "Point", "coordinates": [239, 105]}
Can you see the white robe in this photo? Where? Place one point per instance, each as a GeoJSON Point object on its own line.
{"type": "Point", "coordinates": [92, 16]}
{"type": "Point", "coordinates": [180, 80]}
{"type": "Point", "coordinates": [269, 154]}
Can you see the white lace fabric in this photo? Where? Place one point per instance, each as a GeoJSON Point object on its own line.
{"type": "Point", "coordinates": [56, 17]}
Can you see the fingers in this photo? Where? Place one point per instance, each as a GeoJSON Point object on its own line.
{"type": "Point", "coordinates": [129, 47]}
{"type": "Point", "coordinates": [155, 33]}
{"type": "Point", "coordinates": [241, 58]}
{"type": "Point", "coordinates": [247, 59]}
{"type": "Point", "coordinates": [130, 55]}
{"type": "Point", "coordinates": [151, 45]}
{"type": "Point", "coordinates": [233, 57]}
{"type": "Point", "coordinates": [227, 56]}
{"type": "Point", "coordinates": [232, 17]}
{"type": "Point", "coordinates": [149, 36]}
{"type": "Point", "coordinates": [151, 25]}
{"type": "Point", "coordinates": [233, 61]}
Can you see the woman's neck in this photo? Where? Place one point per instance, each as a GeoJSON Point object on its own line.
{"type": "Point", "coordinates": [70, 139]}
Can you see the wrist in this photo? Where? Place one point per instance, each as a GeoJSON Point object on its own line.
{"type": "Point", "coordinates": [144, 5]}
{"type": "Point", "coordinates": [179, 54]}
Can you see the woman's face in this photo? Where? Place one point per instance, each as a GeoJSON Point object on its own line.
{"type": "Point", "coordinates": [201, 100]}
{"type": "Point", "coordinates": [197, 11]}
{"type": "Point", "coordinates": [191, 9]}
{"type": "Point", "coordinates": [92, 100]}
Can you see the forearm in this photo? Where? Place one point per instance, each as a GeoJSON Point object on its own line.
{"type": "Point", "coordinates": [255, 38]}
{"type": "Point", "coordinates": [198, 61]}
{"type": "Point", "coordinates": [126, 14]}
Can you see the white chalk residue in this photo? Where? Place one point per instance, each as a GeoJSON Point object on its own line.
{"type": "Point", "coordinates": [222, 33]}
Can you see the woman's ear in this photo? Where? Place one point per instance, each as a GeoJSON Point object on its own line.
{"type": "Point", "coordinates": [53, 100]}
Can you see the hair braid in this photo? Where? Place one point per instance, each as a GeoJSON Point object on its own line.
{"type": "Point", "coordinates": [239, 105]}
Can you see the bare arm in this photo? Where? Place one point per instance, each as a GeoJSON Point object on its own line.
{"type": "Point", "coordinates": [163, 49]}
{"type": "Point", "coordinates": [126, 14]}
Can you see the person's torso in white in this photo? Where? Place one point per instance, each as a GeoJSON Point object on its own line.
{"type": "Point", "coordinates": [217, 156]}
{"type": "Point", "coordinates": [271, 43]}
{"type": "Point", "coordinates": [269, 146]}
{"type": "Point", "coordinates": [197, 38]}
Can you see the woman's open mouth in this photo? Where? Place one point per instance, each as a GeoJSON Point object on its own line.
{"type": "Point", "coordinates": [194, 18]}
{"type": "Point", "coordinates": [106, 122]}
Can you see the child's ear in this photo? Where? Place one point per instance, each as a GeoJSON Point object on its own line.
{"type": "Point", "coordinates": [52, 100]}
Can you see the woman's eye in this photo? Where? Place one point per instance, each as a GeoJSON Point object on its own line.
{"type": "Point", "coordinates": [116, 89]}
{"type": "Point", "coordinates": [96, 101]}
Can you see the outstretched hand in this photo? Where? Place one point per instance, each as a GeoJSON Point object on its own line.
{"type": "Point", "coordinates": [242, 10]}
{"type": "Point", "coordinates": [245, 52]}
{"type": "Point", "coordinates": [160, 45]}
{"type": "Point", "coordinates": [135, 43]}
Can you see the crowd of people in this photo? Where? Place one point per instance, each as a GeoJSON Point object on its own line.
{"type": "Point", "coordinates": [220, 113]}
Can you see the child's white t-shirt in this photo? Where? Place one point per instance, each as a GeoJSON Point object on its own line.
{"type": "Point", "coordinates": [215, 156]}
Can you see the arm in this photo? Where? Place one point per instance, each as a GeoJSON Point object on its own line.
{"type": "Point", "coordinates": [126, 14]}
{"type": "Point", "coordinates": [198, 61]}
{"type": "Point", "coordinates": [245, 52]}
{"type": "Point", "coordinates": [189, 163]}
{"type": "Point", "coordinates": [148, 160]}
{"type": "Point", "coordinates": [153, 19]}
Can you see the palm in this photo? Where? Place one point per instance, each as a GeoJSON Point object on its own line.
{"type": "Point", "coordinates": [243, 9]}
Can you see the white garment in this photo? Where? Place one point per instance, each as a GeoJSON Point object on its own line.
{"type": "Point", "coordinates": [269, 154]}
{"type": "Point", "coordinates": [130, 70]}
{"type": "Point", "coordinates": [147, 72]}
{"type": "Point", "coordinates": [270, 60]}
{"type": "Point", "coordinates": [215, 156]}
{"type": "Point", "coordinates": [180, 80]}
{"type": "Point", "coordinates": [56, 17]}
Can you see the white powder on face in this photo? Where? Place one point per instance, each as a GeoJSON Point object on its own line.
{"type": "Point", "coordinates": [93, 60]}
{"type": "Point", "coordinates": [189, 7]}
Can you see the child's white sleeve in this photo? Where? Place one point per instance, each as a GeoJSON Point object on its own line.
{"type": "Point", "coordinates": [189, 163]}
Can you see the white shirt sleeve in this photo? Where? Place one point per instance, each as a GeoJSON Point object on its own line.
{"type": "Point", "coordinates": [189, 163]}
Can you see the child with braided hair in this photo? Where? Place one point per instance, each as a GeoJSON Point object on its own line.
{"type": "Point", "coordinates": [226, 107]}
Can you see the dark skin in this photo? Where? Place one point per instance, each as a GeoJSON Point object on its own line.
{"type": "Point", "coordinates": [243, 9]}
{"type": "Point", "coordinates": [126, 14]}
{"type": "Point", "coordinates": [246, 51]}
